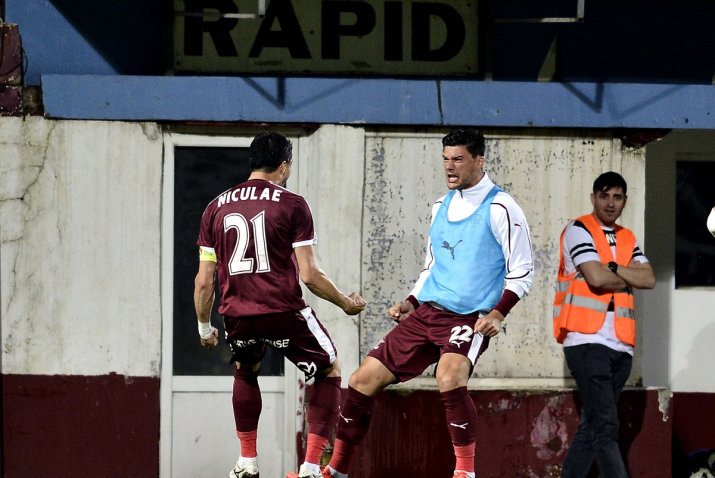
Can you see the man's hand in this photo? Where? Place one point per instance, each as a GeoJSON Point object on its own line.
{"type": "Point", "coordinates": [400, 311]}
{"type": "Point", "coordinates": [211, 340]}
{"type": "Point", "coordinates": [354, 305]}
{"type": "Point", "coordinates": [489, 325]}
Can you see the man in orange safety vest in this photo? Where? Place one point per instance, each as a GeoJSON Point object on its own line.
{"type": "Point", "coordinates": [600, 265]}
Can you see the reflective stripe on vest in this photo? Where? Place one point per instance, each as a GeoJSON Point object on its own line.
{"type": "Point", "coordinates": [580, 308]}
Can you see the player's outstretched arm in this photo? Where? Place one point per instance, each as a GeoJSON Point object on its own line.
{"type": "Point", "coordinates": [321, 285]}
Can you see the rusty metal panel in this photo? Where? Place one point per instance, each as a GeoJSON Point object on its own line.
{"type": "Point", "coordinates": [10, 55]}
{"type": "Point", "coordinates": [97, 422]}
{"type": "Point", "coordinates": [10, 100]}
{"type": "Point", "coordinates": [10, 70]}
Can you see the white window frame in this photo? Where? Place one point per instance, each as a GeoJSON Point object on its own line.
{"type": "Point", "coordinates": [170, 384]}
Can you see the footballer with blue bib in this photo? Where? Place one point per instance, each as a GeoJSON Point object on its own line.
{"type": "Point", "coordinates": [478, 266]}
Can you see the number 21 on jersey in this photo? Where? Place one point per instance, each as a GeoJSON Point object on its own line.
{"type": "Point", "coordinates": [239, 263]}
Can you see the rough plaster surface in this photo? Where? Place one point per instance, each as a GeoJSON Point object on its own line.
{"type": "Point", "coordinates": [400, 187]}
{"type": "Point", "coordinates": [80, 208]}
{"type": "Point", "coordinates": [551, 179]}
{"type": "Point", "coordinates": [329, 174]}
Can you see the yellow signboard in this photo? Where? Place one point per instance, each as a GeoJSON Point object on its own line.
{"type": "Point", "coordinates": [366, 37]}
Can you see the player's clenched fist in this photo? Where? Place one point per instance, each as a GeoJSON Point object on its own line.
{"type": "Point", "coordinates": [490, 324]}
{"type": "Point", "coordinates": [401, 310]}
{"type": "Point", "coordinates": [355, 305]}
{"type": "Point", "coordinates": [211, 340]}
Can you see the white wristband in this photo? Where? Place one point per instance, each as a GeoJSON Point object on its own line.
{"type": "Point", "coordinates": [205, 330]}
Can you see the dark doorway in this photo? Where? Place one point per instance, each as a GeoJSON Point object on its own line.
{"type": "Point", "coordinates": [201, 174]}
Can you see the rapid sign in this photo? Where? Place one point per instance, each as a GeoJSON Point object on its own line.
{"type": "Point", "coordinates": [366, 37]}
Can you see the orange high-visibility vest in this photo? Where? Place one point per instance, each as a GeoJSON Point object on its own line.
{"type": "Point", "coordinates": [580, 308]}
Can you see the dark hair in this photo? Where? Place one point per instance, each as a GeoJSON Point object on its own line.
{"type": "Point", "coordinates": [471, 138]}
{"type": "Point", "coordinates": [268, 150]}
{"type": "Point", "coordinates": [609, 180]}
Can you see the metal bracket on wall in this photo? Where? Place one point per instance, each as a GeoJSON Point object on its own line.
{"type": "Point", "coordinates": [580, 8]}
{"type": "Point", "coordinates": [260, 13]}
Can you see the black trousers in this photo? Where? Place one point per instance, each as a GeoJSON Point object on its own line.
{"type": "Point", "coordinates": [600, 373]}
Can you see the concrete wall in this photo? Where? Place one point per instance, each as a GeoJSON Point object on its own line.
{"type": "Point", "coordinates": [683, 319]}
{"type": "Point", "coordinates": [329, 173]}
{"type": "Point", "coordinates": [550, 176]}
{"type": "Point", "coordinates": [80, 276]}
{"type": "Point", "coordinates": [80, 228]}
{"type": "Point", "coordinates": [80, 302]}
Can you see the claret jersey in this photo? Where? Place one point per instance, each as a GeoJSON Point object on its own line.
{"type": "Point", "coordinates": [253, 229]}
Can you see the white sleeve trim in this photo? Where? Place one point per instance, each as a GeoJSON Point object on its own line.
{"type": "Point", "coordinates": [309, 242]}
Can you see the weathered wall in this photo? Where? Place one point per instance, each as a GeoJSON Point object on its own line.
{"type": "Point", "coordinates": [520, 433]}
{"type": "Point", "coordinates": [329, 173]}
{"type": "Point", "coordinates": [80, 302]}
{"type": "Point", "coordinates": [550, 176]}
{"type": "Point", "coordinates": [80, 229]}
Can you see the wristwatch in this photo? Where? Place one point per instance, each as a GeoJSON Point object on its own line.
{"type": "Point", "coordinates": [613, 266]}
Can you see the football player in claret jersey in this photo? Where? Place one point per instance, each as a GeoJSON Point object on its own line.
{"type": "Point", "coordinates": [257, 238]}
{"type": "Point", "coordinates": [478, 266]}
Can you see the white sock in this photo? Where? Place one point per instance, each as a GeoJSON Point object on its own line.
{"type": "Point", "coordinates": [469, 474]}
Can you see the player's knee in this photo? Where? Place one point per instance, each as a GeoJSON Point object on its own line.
{"type": "Point", "coordinates": [243, 370]}
{"type": "Point", "coordinates": [452, 372]}
{"type": "Point", "coordinates": [334, 369]}
{"type": "Point", "coordinates": [358, 381]}
{"type": "Point", "coordinates": [330, 372]}
{"type": "Point", "coordinates": [450, 378]}
{"type": "Point", "coordinates": [448, 382]}
{"type": "Point", "coordinates": [367, 383]}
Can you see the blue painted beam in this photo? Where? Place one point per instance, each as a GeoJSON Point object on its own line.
{"type": "Point", "coordinates": [589, 105]}
{"type": "Point", "coordinates": [292, 100]}
{"type": "Point", "coordinates": [379, 101]}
